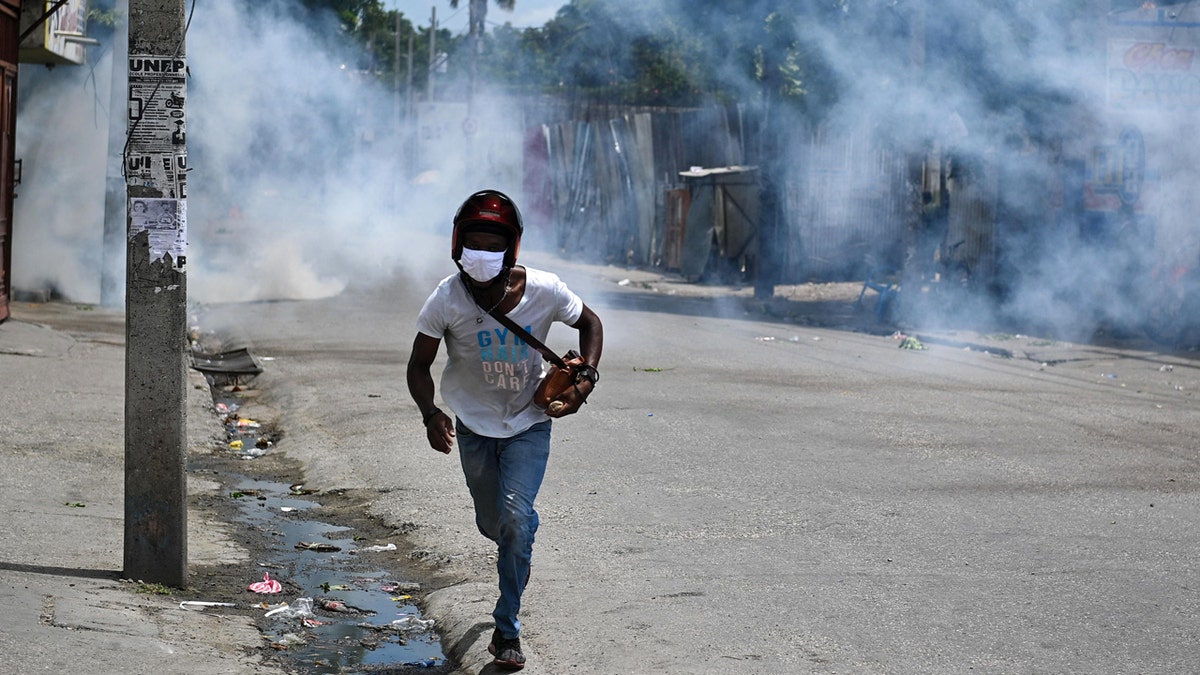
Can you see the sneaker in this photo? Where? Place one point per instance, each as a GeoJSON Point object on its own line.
{"type": "Point", "coordinates": [507, 652]}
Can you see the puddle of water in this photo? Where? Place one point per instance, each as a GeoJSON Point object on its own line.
{"type": "Point", "coordinates": [367, 619]}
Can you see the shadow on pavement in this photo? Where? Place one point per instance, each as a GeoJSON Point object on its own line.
{"type": "Point", "coordinates": [112, 575]}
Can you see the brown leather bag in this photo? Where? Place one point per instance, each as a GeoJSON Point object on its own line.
{"type": "Point", "coordinates": [561, 377]}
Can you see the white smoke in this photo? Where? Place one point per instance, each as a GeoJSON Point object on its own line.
{"type": "Point", "coordinates": [1032, 102]}
{"type": "Point", "coordinates": [303, 180]}
{"type": "Point", "coordinates": [58, 214]}
{"type": "Point", "coordinates": [306, 171]}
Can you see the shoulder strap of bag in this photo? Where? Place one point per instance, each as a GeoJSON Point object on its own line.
{"type": "Point", "coordinates": [529, 339]}
{"type": "Point", "coordinates": [522, 333]}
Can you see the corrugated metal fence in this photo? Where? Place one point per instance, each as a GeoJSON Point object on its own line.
{"type": "Point", "coordinates": [609, 182]}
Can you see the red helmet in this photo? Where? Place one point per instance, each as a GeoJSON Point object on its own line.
{"type": "Point", "coordinates": [488, 211]}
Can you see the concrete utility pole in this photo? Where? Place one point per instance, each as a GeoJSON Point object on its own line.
{"type": "Point", "coordinates": [432, 53]}
{"type": "Point", "coordinates": [155, 164]}
{"type": "Point", "coordinates": [396, 75]}
{"type": "Point", "coordinates": [408, 82]}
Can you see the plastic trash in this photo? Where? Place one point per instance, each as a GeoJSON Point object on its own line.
{"type": "Point", "coordinates": [203, 604]}
{"type": "Point", "coordinates": [301, 608]}
{"type": "Point", "coordinates": [376, 549]}
{"type": "Point", "coordinates": [405, 624]}
{"type": "Point", "coordinates": [267, 585]}
{"type": "Point", "coordinates": [320, 547]}
{"type": "Point", "coordinates": [401, 587]}
{"type": "Point", "coordinates": [339, 607]}
{"type": "Point", "coordinates": [276, 611]}
{"type": "Point", "coordinates": [409, 623]}
{"type": "Point", "coordinates": [289, 640]}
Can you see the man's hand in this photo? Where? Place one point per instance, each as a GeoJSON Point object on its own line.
{"type": "Point", "coordinates": [591, 343]}
{"type": "Point", "coordinates": [570, 401]}
{"type": "Point", "coordinates": [440, 432]}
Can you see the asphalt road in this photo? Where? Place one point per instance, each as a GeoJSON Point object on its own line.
{"type": "Point", "coordinates": [753, 496]}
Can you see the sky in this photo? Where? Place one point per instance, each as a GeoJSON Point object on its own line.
{"type": "Point", "coordinates": [526, 13]}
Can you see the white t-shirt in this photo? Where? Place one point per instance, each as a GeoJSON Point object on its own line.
{"type": "Point", "coordinates": [490, 374]}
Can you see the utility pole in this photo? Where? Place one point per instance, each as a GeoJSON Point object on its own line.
{"type": "Point", "coordinates": [475, 19]}
{"type": "Point", "coordinates": [432, 53]}
{"type": "Point", "coordinates": [396, 76]}
{"type": "Point", "coordinates": [408, 86]}
{"type": "Point", "coordinates": [397, 120]}
{"type": "Point", "coordinates": [155, 164]}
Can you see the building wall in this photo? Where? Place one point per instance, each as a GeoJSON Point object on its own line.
{"type": "Point", "coordinates": [10, 13]}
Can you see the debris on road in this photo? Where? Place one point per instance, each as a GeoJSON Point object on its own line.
{"type": "Point", "coordinates": [375, 549]}
{"type": "Point", "coordinates": [267, 585]}
{"type": "Point", "coordinates": [203, 604]}
{"type": "Point", "coordinates": [318, 546]}
{"type": "Point", "coordinates": [301, 609]}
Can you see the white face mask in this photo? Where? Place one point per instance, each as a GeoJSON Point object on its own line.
{"type": "Point", "coordinates": [482, 265]}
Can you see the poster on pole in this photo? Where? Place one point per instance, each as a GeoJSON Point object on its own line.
{"type": "Point", "coordinates": [157, 153]}
{"type": "Point", "coordinates": [157, 96]}
{"type": "Point", "coordinates": [167, 173]}
{"type": "Point", "coordinates": [166, 222]}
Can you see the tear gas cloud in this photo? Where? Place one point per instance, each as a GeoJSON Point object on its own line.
{"type": "Point", "coordinates": [299, 183]}
{"type": "Point", "coordinates": [1025, 101]}
{"type": "Point", "coordinates": [299, 177]}
{"type": "Point", "coordinates": [58, 213]}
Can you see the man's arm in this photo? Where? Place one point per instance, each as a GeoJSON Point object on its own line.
{"type": "Point", "coordinates": [591, 346]}
{"type": "Point", "coordinates": [439, 430]}
{"type": "Point", "coordinates": [591, 336]}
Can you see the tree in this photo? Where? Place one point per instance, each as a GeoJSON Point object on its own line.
{"type": "Point", "coordinates": [615, 51]}
{"type": "Point", "coordinates": [477, 14]}
{"type": "Point", "coordinates": [367, 32]}
{"type": "Point", "coordinates": [477, 11]}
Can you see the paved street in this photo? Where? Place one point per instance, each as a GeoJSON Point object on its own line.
{"type": "Point", "coordinates": [756, 496]}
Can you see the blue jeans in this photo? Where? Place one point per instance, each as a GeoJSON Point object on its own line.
{"type": "Point", "coordinates": [504, 476]}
